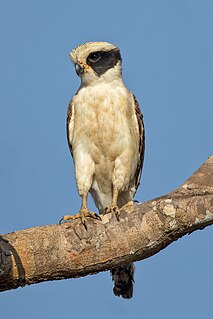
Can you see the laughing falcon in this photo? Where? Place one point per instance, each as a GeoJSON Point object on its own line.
{"type": "Point", "coordinates": [105, 134]}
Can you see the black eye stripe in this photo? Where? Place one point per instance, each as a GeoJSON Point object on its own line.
{"type": "Point", "coordinates": [101, 61]}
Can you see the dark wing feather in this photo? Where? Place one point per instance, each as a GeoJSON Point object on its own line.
{"type": "Point", "coordinates": [69, 117]}
{"type": "Point", "coordinates": [140, 123]}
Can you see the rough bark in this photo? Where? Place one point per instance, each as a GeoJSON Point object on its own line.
{"type": "Point", "coordinates": [68, 250]}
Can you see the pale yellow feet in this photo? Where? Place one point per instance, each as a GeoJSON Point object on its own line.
{"type": "Point", "coordinates": [114, 210]}
{"type": "Point", "coordinates": [130, 204]}
{"type": "Point", "coordinates": [84, 215]}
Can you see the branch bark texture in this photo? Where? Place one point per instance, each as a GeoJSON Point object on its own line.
{"type": "Point", "coordinates": [65, 251]}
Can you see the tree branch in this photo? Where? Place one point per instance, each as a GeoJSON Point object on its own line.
{"type": "Point", "coordinates": [64, 251]}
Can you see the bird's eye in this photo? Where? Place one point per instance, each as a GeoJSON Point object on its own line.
{"type": "Point", "coordinates": [94, 57]}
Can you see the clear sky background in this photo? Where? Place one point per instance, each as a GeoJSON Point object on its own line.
{"type": "Point", "coordinates": [167, 52]}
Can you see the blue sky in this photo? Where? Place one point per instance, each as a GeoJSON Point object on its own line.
{"type": "Point", "coordinates": [167, 52]}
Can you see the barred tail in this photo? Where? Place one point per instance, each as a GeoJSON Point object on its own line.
{"type": "Point", "coordinates": [123, 278]}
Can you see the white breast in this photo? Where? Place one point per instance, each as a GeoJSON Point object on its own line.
{"type": "Point", "coordinates": [104, 135]}
{"type": "Point", "coordinates": [101, 116]}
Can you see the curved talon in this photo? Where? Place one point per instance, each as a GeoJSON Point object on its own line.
{"type": "Point", "coordinates": [135, 201]}
{"type": "Point", "coordinates": [84, 222]}
{"type": "Point", "coordinates": [97, 216]}
{"type": "Point", "coordinates": [65, 219]}
{"type": "Point", "coordinates": [117, 215]}
{"type": "Point", "coordinates": [113, 209]}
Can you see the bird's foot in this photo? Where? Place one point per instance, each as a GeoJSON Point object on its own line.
{"type": "Point", "coordinates": [114, 210]}
{"type": "Point", "coordinates": [84, 214]}
{"type": "Point", "coordinates": [130, 204]}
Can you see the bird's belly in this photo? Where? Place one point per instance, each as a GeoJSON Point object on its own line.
{"type": "Point", "coordinates": [110, 141]}
{"type": "Point", "coordinates": [106, 139]}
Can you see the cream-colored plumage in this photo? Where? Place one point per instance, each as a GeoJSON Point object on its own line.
{"type": "Point", "coordinates": [105, 132]}
{"type": "Point", "coordinates": [104, 142]}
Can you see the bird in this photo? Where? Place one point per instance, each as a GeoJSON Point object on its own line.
{"type": "Point", "coordinates": [106, 138]}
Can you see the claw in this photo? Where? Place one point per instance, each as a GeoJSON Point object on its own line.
{"type": "Point", "coordinates": [97, 216]}
{"type": "Point", "coordinates": [84, 222]}
{"type": "Point", "coordinates": [117, 215]}
{"type": "Point", "coordinates": [113, 209]}
{"type": "Point", "coordinates": [65, 219]}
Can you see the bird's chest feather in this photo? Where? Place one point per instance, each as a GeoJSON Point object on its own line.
{"type": "Point", "coordinates": [101, 121]}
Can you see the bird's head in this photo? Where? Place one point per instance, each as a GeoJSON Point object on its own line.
{"type": "Point", "coordinates": [97, 61]}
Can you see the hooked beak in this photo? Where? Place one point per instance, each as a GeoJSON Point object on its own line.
{"type": "Point", "coordinates": [79, 69]}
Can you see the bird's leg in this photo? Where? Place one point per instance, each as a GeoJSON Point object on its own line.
{"type": "Point", "coordinates": [113, 208]}
{"type": "Point", "coordinates": [84, 213]}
